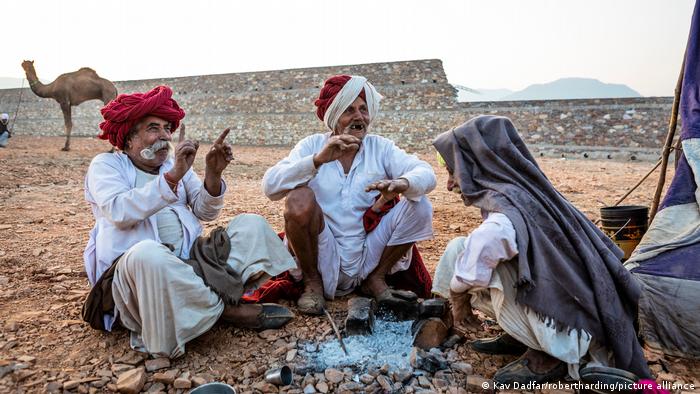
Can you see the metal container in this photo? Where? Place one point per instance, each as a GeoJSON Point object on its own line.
{"type": "Point", "coordinates": [214, 388]}
{"type": "Point", "coordinates": [279, 376]}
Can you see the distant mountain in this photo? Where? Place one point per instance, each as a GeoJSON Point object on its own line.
{"type": "Point", "coordinates": [573, 88]}
{"type": "Point", "coordinates": [561, 89]}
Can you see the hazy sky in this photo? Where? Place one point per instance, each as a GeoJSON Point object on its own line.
{"type": "Point", "coordinates": [483, 44]}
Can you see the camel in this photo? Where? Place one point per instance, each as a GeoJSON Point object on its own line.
{"type": "Point", "coordinates": [71, 89]}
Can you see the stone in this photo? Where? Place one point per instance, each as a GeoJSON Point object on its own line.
{"type": "Point", "coordinates": [131, 382]}
{"type": "Point", "coordinates": [385, 382]}
{"type": "Point", "coordinates": [104, 373]}
{"type": "Point", "coordinates": [157, 363]}
{"type": "Point", "coordinates": [182, 383]}
{"type": "Point", "coordinates": [167, 377]}
{"type": "Point", "coordinates": [333, 375]}
{"type": "Point", "coordinates": [431, 362]}
{"type": "Point", "coordinates": [322, 387]}
{"type": "Point", "coordinates": [309, 389]}
{"type": "Point", "coordinates": [366, 378]}
{"type": "Point", "coordinates": [265, 387]}
{"type": "Point", "coordinates": [463, 368]}
{"type": "Point", "coordinates": [290, 355]}
{"type": "Point", "coordinates": [360, 319]}
{"type": "Point", "coordinates": [268, 335]}
{"type": "Point", "coordinates": [350, 387]}
{"type": "Point", "coordinates": [53, 387]}
{"type": "Point", "coordinates": [198, 381]}
{"type": "Point", "coordinates": [156, 387]}
{"type": "Point", "coordinates": [26, 359]}
{"type": "Point", "coordinates": [308, 380]}
{"type": "Point", "coordinates": [440, 383]}
{"type": "Point", "coordinates": [424, 382]}
{"type": "Point", "coordinates": [118, 369]}
{"type": "Point", "coordinates": [70, 384]}
{"type": "Point", "coordinates": [477, 383]}
{"type": "Point", "coordinates": [433, 307]}
{"type": "Point", "coordinates": [131, 357]}
{"type": "Point", "coordinates": [429, 333]}
{"type": "Point", "coordinates": [402, 375]}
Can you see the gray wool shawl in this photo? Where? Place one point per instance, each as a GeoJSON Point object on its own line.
{"type": "Point", "coordinates": [569, 272]}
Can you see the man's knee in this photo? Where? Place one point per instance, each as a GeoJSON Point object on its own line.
{"type": "Point", "coordinates": [455, 246]}
{"type": "Point", "coordinates": [147, 254]}
{"type": "Point", "coordinates": [248, 219]}
{"type": "Point", "coordinates": [420, 211]}
{"type": "Point", "coordinates": [300, 205]}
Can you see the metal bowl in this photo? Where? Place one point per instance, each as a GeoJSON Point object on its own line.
{"type": "Point", "coordinates": [214, 388]}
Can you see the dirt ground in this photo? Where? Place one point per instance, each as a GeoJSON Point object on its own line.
{"type": "Point", "coordinates": [44, 222]}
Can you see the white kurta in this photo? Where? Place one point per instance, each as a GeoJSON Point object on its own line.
{"type": "Point", "coordinates": [125, 214]}
{"type": "Point", "coordinates": [479, 264]}
{"type": "Point", "coordinates": [341, 196]}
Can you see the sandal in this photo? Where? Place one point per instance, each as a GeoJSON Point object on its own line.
{"type": "Point", "coordinates": [519, 372]}
{"type": "Point", "coordinates": [502, 344]}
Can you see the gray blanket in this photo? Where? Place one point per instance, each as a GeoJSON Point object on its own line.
{"type": "Point", "coordinates": [208, 258]}
{"type": "Point", "coordinates": [569, 272]}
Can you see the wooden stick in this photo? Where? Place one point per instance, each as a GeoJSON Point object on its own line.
{"type": "Point", "coordinates": [658, 163]}
{"type": "Point", "coordinates": [669, 140]}
{"type": "Point", "coordinates": [337, 333]}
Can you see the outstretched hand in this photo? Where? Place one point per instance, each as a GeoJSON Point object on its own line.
{"type": "Point", "coordinates": [220, 155]}
{"type": "Point", "coordinates": [337, 146]}
{"type": "Point", "coordinates": [185, 153]}
{"type": "Point", "coordinates": [389, 189]}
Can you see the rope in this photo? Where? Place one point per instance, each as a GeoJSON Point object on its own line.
{"type": "Point", "coordinates": [14, 120]}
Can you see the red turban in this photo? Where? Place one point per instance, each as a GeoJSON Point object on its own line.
{"type": "Point", "coordinates": [123, 112]}
{"type": "Point", "coordinates": [330, 89]}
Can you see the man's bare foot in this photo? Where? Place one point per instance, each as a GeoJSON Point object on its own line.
{"type": "Point", "coordinates": [463, 318]}
{"type": "Point", "coordinates": [312, 301]}
{"type": "Point", "coordinates": [374, 285]}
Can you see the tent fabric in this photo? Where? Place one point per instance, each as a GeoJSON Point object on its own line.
{"type": "Point", "coordinates": [667, 260]}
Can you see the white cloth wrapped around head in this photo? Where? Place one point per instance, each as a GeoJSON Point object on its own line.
{"type": "Point", "coordinates": [339, 92]}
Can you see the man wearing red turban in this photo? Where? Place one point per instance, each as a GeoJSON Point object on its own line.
{"type": "Point", "coordinates": [149, 267]}
{"type": "Point", "coordinates": [330, 180]}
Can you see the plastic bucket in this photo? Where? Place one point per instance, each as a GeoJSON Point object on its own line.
{"type": "Point", "coordinates": [625, 225]}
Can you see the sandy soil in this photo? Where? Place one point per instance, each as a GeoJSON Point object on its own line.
{"type": "Point", "coordinates": [45, 222]}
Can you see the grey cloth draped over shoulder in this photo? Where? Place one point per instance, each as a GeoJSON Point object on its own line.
{"type": "Point", "coordinates": [569, 272]}
{"type": "Point", "coordinates": [208, 258]}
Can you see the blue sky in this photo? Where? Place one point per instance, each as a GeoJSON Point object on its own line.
{"type": "Point", "coordinates": [483, 44]}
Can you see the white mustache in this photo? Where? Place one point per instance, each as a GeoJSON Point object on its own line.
{"type": "Point", "coordinates": [149, 153]}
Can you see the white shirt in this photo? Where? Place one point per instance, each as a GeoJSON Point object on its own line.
{"type": "Point", "coordinates": [492, 242]}
{"type": "Point", "coordinates": [169, 225]}
{"type": "Point", "coordinates": [126, 214]}
{"type": "Point", "coordinates": [341, 196]}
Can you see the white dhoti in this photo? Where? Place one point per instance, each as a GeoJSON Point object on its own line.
{"type": "Point", "coordinates": [408, 222]}
{"type": "Point", "coordinates": [498, 302]}
{"type": "Point", "coordinates": [165, 304]}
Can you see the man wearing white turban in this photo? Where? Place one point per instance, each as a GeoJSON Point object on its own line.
{"type": "Point", "coordinates": [330, 180]}
{"type": "Point", "coordinates": [4, 131]}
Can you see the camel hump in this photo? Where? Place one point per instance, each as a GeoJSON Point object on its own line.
{"type": "Point", "coordinates": [87, 70]}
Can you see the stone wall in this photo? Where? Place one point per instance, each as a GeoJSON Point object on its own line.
{"type": "Point", "coordinates": [276, 108]}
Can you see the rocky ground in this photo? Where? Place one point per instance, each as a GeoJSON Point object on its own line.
{"type": "Point", "coordinates": [44, 345]}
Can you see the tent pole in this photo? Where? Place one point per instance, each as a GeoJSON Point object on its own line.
{"type": "Point", "coordinates": [667, 145]}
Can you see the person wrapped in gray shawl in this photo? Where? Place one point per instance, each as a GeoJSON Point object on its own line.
{"type": "Point", "coordinates": [569, 272]}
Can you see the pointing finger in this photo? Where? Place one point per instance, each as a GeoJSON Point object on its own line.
{"type": "Point", "coordinates": [222, 137]}
{"type": "Point", "coordinates": [181, 136]}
